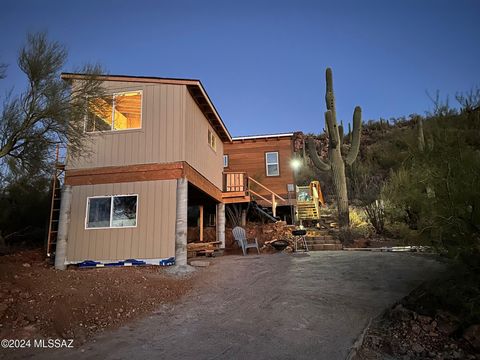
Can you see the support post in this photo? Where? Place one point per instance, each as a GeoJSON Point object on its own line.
{"type": "Point", "coordinates": [201, 222]}
{"type": "Point", "coordinates": [181, 222]}
{"type": "Point", "coordinates": [63, 222]}
{"type": "Point", "coordinates": [274, 206]}
{"type": "Point", "coordinates": [243, 222]}
{"type": "Point", "coordinates": [221, 224]}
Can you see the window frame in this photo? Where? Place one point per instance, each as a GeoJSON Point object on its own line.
{"type": "Point", "coordinates": [212, 140]}
{"type": "Point", "coordinates": [112, 129]}
{"type": "Point", "coordinates": [112, 197]}
{"type": "Point", "coordinates": [267, 163]}
{"type": "Point", "coordinates": [226, 163]}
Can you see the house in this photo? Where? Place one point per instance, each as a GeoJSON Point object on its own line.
{"type": "Point", "coordinates": [266, 159]}
{"type": "Point", "coordinates": [156, 151]}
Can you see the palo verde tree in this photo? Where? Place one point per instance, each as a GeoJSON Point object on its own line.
{"type": "Point", "coordinates": [48, 112]}
{"type": "Point", "coordinates": [335, 163]}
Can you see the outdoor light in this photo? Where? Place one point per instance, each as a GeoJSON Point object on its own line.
{"type": "Point", "coordinates": [295, 164]}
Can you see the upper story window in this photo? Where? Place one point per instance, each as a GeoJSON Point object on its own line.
{"type": "Point", "coordinates": [271, 163]}
{"type": "Point", "coordinates": [111, 211]}
{"type": "Point", "coordinates": [212, 140]}
{"type": "Point", "coordinates": [225, 161]}
{"type": "Point", "coordinates": [121, 112]}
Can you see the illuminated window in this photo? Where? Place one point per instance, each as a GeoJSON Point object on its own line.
{"type": "Point", "coordinates": [112, 211]}
{"type": "Point", "coordinates": [212, 140]}
{"type": "Point", "coordinates": [271, 162]}
{"type": "Point", "coordinates": [123, 111]}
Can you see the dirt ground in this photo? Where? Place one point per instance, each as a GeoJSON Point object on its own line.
{"type": "Point", "coordinates": [281, 306]}
{"type": "Point", "coordinates": [37, 301]}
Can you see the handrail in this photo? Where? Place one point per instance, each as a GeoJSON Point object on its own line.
{"type": "Point", "coordinates": [260, 196]}
{"type": "Point", "coordinates": [263, 186]}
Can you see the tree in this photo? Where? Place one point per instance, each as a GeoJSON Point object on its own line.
{"type": "Point", "coordinates": [48, 112]}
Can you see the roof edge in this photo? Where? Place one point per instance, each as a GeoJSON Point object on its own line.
{"type": "Point", "coordinates": [266, 136]}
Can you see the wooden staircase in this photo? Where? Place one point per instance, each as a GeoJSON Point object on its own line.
{"type": "Point", "coordinates": [307, 211]}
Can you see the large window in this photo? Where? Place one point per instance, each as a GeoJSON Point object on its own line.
{"type": "Point", "coordinates": [122, 111]}
{"type": "Point", "coordinates": [271, 163]}
{"type": "Point", "coordinates": [112, 211]}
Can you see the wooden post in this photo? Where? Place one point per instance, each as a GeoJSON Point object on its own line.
{"type": "Point", "coordinates": [221, 224]}
{"type": "Point", "coordinates": [181, 222]}
{"type": "Point", "coordinates": [244, 218]}
{"type": "Point", "coordinates": [201, 222]}
{"type": "Point", "coordinates": [274, 206]}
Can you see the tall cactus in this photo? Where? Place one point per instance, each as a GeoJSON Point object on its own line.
{"type": "Point", "coordinates": [336, 162]}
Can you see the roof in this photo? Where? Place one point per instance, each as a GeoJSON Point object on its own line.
{"type": "Point", "coordinates": [266, 136]}
{"type": "Point", "coordinates": [194, 86]}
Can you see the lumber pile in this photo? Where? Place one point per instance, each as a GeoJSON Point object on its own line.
{"type": "Point", "coordinates": [203, 248]}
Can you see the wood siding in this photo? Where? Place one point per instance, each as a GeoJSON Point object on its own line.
{"type": "Point", "coordinates": [249, 156]}
{"type": "Point", "coordinates": [153, 238]}
{"type": "Point", "coordinates": [173, 129]}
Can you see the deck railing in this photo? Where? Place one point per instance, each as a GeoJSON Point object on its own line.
{"type": "Point", "coordinates": [240, 182]}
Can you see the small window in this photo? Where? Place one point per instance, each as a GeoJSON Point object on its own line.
{"type": "Point", "coordinates": [122, 111]}
{"type": "Point", "coordinates": [112, 211]}
{"type": "Point", "coordinates": [225, 161]}
{"type": "Point", "coordinates": [271, 162]}
{"type": "Point", "coordinates": [212, 140]}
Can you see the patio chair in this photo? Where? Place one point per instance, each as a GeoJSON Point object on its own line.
{"type": "Point", "coordinates": [240, 236]}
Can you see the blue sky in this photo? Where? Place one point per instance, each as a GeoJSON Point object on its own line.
{"type": "Point", "coordinates": [263, 62]}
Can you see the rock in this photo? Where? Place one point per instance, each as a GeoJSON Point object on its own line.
{"type": "Point", "coordinates": [200, 263]}
{"type": "Point", "coordinates": [400, 313]}
{"type": "Point", "coordinates": [27, 265]}
{"type": "Point", "coordinates": [416, 329]}
{"type": "Point", "coordinates": [424, 319]}
{"type": "Point", "coordinates": [472, 335]}
{"type": "Point", "coordinates": [417, 348]}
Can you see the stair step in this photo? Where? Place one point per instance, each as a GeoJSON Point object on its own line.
{"type": "Point", "coordinates": [322, 242]}
{"type": "Point", "coordinates": [320, 237]}
{"type": "Point", "coordinates": [320, 247]}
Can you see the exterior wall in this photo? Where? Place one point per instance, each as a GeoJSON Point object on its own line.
{"type": "Point", "coordinates": [198, 152]}
{"type": "Point", "coordinates": [153, 238]}
{"type": "Point", "coordinates": [161, 138]}
{"type": "Point", "coordinates": [173, 129]}
{"type": "Point", "coordinates": [249, 156]}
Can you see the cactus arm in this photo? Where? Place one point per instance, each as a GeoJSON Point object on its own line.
{"type": "Point", "coordinates": [340, 133]}
{"type": "Point", "coordinates": [357, 129]}
{"type": "Point", "coordinates": [312, 151]}
{"type": "Point", "coordinates": [329, 96]}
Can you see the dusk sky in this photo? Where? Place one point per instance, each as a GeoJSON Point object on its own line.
{"type": "Point", "coordinates": [263, 63]}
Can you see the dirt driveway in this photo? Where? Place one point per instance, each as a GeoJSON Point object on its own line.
{"type": "Point", "coordinates": [269, 307]}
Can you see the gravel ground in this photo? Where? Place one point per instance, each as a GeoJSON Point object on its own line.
{"type": "Point", "coordinates": [302, 306]}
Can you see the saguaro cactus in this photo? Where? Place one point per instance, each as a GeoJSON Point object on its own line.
{"type": "Point", "coordinates": [336, 161]}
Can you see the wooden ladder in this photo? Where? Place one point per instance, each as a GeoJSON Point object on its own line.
{"type": "Point", "coordinates": [55, 204]}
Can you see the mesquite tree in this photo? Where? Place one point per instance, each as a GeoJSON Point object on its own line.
{"type": "Point", "coordinates": [336, 160]}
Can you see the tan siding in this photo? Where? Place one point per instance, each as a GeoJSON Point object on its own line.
{"type": "Point", "coordinates": [198, 152]}
{"type": "Point", "coordinates": [159, 140]}
{"type": "Point", "coordinates": [152, 238]}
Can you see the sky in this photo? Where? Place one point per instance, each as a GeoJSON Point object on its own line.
{"type": "Point", "coordinates": [263, 62]}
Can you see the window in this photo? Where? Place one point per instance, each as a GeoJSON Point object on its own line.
{"type": "Point", "coordinates": [212, 140]}
{"type": "Point", "coordinates": [122, 111]}
{"type": "Point", "coordinates": [225, 161]}
{"type": "Point", "coordinates": [112, 211]}
{"type": "Point", "coordinates": [271, 161]}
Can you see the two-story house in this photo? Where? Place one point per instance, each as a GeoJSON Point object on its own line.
{"type": "Point", "coordinates": [156, 149]}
